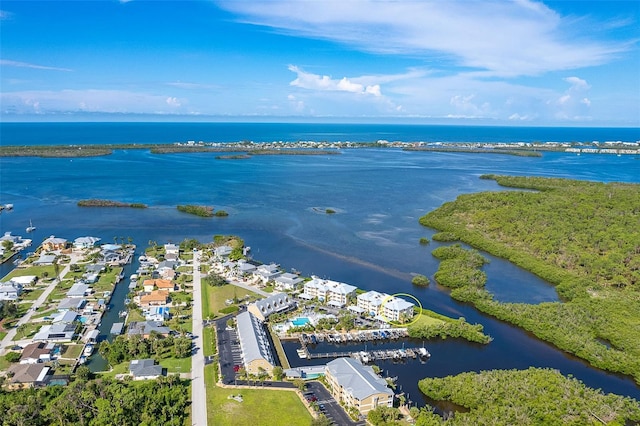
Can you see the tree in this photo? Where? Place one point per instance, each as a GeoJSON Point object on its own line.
{"type": "Point", "coordinates": [7, 245]}
{"type": "Point", "coordinates": [383, 415]}
{"type": "Point", "coordinates": [420, 280]}
{"type": "Point", "coordinates": [322, 420]}
{"type": "Point", "coordinates": [83, 373]}
{"type": "Point", "coordinates": [214, 280]}
{"type": "Point", "coordinates": [300, 384]}
{"type": "Point", "coordinates": [278, 373]}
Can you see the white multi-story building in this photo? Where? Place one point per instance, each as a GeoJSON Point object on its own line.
{"type": "Point", "coordinates": [389, 308]}
{"type": "Point", "coordinates": [330, 292]}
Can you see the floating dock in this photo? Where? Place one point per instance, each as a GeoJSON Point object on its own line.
{"type": "Point", "coordinates": [117, 328]}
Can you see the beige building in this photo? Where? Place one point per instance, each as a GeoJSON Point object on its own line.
{"type": "Point", "coordinates": [356, 385]}
{"type": "Point", "coordinates": [257, 355]}
{"type": "Point", "coordinates": [277, 302]}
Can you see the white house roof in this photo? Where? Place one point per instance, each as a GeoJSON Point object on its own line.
{"type": "Point", "coordinates": [24, 280]}
{"type": "Point", "coordinates": [359, 380]}
{"type": "Point", "coordinates": [85, 241]}
{"type": "Point", "coordinates": [397, 304]}
{"type": "Point", "coordinates": [78, 290]}
{"type": "Point", "coordinates": [275, 303]}
{"type": "Point", "coordinates": [373, 297]}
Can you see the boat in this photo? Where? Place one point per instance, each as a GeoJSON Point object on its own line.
{"type": "Point", "coordinates": [424, 353]}
{"type": "Point", "coordinates": [8, 206]}
{"type": "Point", "coordinates": [88, 350]}
{"type": "Point", "coordinates": [302, 353]}
{"type": "Point", "coordinates": [30, 228]}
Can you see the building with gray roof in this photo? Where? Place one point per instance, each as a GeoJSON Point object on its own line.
{"type": "Point", "coordinates": [357, 385]}
{"type": "Point", "coordinates": [256, 350]}
{"type": "Point", "coordinates": [278, 302]}
{"type": "Point", "coordinates": [144, 369]}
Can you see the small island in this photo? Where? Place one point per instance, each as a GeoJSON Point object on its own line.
{"type": "Point", "coordinates": [202, 211]}
{"type": "Point", "coordinates": [109, 203]}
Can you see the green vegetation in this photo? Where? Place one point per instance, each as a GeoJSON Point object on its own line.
{"type": "Point", "coordinates": [329, 211]}
{"type": "Point", "coordinates": [101, 401]}
{"type": "Point", "coordinates": [124, 348]}
{"type": "Point", "coordinates": [444, 237]}
{"type": "Point", "coordinates": [202, 211]}
{"type": "Point", "coordinates": [431, 325]}
{"type": "Point", "coordinates": [581, 236]}
{"type": "Point", "coordinates": [12, 357]}
{"type": "Point", "coordinates": [384, 416]}
{"type": "Point", "coordinates": [215, 280]}
{"type": "Point", "coordinates": [221, 213]}
{"type": "Point", "coordinates": [222, 410]}
{"type": "Point", "coordinates": [213, 298]}
{"type": "Point", "coordinates": [109, 203]}
{"type": "Point", "coordinates": [517, 153]}
{"type": "Point", "coordinates": [459, 267]}
{"type": "Point", "coordinates": [424, 241]}
{"type": "Point", "coordinates": [54, 151]}
{"type": "Point", "coordinates": [530, 397]}
{"type": "Point", "coordinates": [420, 280]}
{"type": "Point", "coordinates": [229, 310]}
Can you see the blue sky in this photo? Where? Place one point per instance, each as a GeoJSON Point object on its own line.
{"type": "Point", "coordinates": [515, 62]}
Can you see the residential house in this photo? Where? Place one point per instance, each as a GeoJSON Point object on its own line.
{"type": "Point", "coordinates": [45, 259]}
{"type": "Point", "coordinates": [95, 268]}
{"type": "Point", "coordinates": [268, 272]}
{"type": "Point", "coordinates": [78, 290]}
{"type": "Point", "coordinates": [157, 313]}
{"type": "Point", "coordinates": [85, 242]}
{"type": "Point", "coordinates": [25, 280]}
{"type": "Point", "coordinates": [59, 332]}
{"type": "Point", "coordinates": [168, 274]}
{"type": "Point", "coordinates": [256, 350]}
{"type": "Point", "coordinates": [65, 317]}
{"type": "Point", "coordinates": [36, 352]}
{"type": "Point", "coordinates": [73, 303]}
{"type": "Point", "coordinates": [145, 369]}
{"type": "Point", "coordinates": [27, 376]}
{"type": "Point", "coordinates": [222, 252]}
{"type": "Point", "coordinates": [287, 281]}
{"type": "Point", "coordinates": [158, 284]}
{"type": "Point", "coordinates": [356, 385]}
{"type": "Point", "coordinates": [277, 302]}
{"type": "Point", "coordinates": [245, 267]}
{"type": "Point", "coordinates": [171, 249]}
{"type": "Point", "coordinates": [153, 298]}
{"type": "Point", "coordinates": [53, 243]}
{"type": "Point", "coordinates": [330, 292]}
{"type": "Point", "coordinates": [145, 328]}
{"type": "Point", "coordinates": [10, 290]}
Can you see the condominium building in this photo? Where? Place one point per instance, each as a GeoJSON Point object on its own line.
{"type": "Point", "coordinates": [330, 292]}
{"type": "Point", "coordinates": [384, 306]}
{"type": "Point", "coordinates": [356, 385]}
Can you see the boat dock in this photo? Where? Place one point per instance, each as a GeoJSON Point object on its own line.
{"type": "Point", "coordinates": [117, 328]}
{"type": "Point", "coordinates": [353, 337]}
{"type": "Point", "coordinates": [370, 356]}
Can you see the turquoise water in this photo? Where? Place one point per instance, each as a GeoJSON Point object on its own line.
{"type": "Point", "coordinates": [299, 322]}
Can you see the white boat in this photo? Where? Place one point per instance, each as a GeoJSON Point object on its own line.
{"type": "Point", "coordinates": [88, 350]}
{"type": "Point", "coordinates": [8, 206]}
{"type": "Point", "coordinates": [30, 228]}
{"type": "Point", "coordinates": [424, 353]}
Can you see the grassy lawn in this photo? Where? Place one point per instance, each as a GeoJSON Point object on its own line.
{"type": "Point", "coordinates": [176, 365]}
{"type": "Point", "coordinates": [134, 315]}
{"type": "Point", "coordinates": [179, 297]}
{"type": "Point", "coordinates": [32, 294]}
{"type": "Point", "coordinates": [2, 334]}
{"type": "Point", "coordinates": [107, 280]}
{"type": "Point", "coordinates": [38, 271]}
{"type": "Point", "coordinates": [214, 298]}
{"type": "Point", "coordinates": [28, 331]}
{"type": "Point", "coordinates": [254, 408]}
{"type": "Point", "coordinates": [122, 368]}
{"type": "Point", "coordinates": [209, 341]}
{"type": "Point", "coordinates": [44, 311]}
{"type": "Point", "coordinates": [71, 351]}
{"type": "Point", "coordinates": [425, 319]}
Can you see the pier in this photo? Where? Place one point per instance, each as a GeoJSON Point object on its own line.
{"type": "Point", "coordinates": [369, 356]}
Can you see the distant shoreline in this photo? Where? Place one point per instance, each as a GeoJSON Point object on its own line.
{"type": "Point", "coordinates": [246, 149]}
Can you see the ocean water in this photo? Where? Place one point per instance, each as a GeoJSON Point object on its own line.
{"type": "Point", "coordinates": [276, 204]}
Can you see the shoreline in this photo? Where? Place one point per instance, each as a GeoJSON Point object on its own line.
{"type": "Point", "coordinates": [246, 149]}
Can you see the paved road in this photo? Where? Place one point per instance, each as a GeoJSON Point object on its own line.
{"type": "Point", "coordinates": [332, 408]}
{"type": "Point", "coordinates": [198, 390]}
{"type": "Point", "coordinates": [250, 288]}
{"type": "Point", "coordinates": [7, 342]}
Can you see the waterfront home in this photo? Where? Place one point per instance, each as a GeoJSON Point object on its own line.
{"type": "Point", "coordinates": [95, 268]}
{"type": "Point", "coordinates": [356, 385]}
{"type": "Point", "coordinates": [53, 243]}
{"type": "Point", "coordinates": [330, 292]}
{"type": "Point", "coordinates": [266, 273]}
{"type": "Point", "coordinates": [257, 355]}
{"type": "Point", "coordinates": [287, 281]}
{"type": "Point", "coordinates": [85, 242]}
{"type": "Point", "coordinates": [245, 267]}
{"type": "Point", "coordinates": [36, 352]}
{"type": "Point", "coordinates": [145, 328]}
{"type": "Point", "coordinates": [145, 369]}
{"type": "Point", "coordinates": [18, 242]}
{"type": "Point", "coordinates": [65, 317]}
{"type": "Point", "coordinates": [25, 280]}
{"type": "Point", "coordinates": [59, 332]}
{"type": "Point", "coordinates": [10, 290]}
{"type": "Point", "coordinates": [167, 264]}
{"type": "Point", "coordinates": [111, 257]}
{"type": "Point", "coordinates": [153, 298]}
{"type": "Point", "coordinates": [171, 249]}
{"type": "Point", "coordinates": [222, 252]}
{"type": "Point", "coordinates": [71, 303]}
{"type": "Point", "coordinates": [78, 290]}
{"type": "Point", "coordinates": [157, 313]}
{"type": "Point", "coordinates": [168, 274]}
{"type": "Point", "coordinates": [45, 259]}
{"type": "Point", "coordinates": [158, 284]}
{"type": "Point", "coordinates": [277, 302]}
{"type": "Point", "coordinates": [27, 376]}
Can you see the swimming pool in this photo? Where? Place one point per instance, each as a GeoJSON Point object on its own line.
{"type": "Point", "coordinates": [300, 321]}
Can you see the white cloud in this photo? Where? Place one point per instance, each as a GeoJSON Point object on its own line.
{"type": "Point", "coordinates": [192, 86]}
{"type": "Point", "coordinates": [9, 63]}
{"type": "Point", "coordinates": [573, 104]}
{"type": "Point", "coordinates": [522, 37]}
{"type": "Point", "coordinates": [311, 81]}
{"type": "Point", "coordinates": [91, 100]}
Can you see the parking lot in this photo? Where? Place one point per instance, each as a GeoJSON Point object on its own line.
{"type": "Point", "coordinates": [329, 406]}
